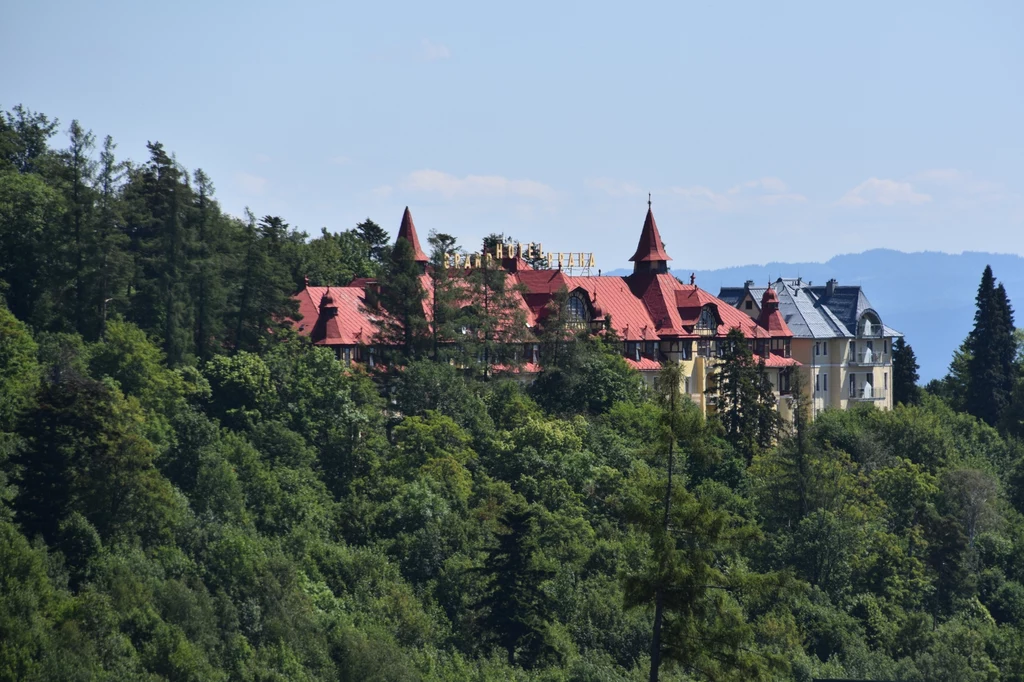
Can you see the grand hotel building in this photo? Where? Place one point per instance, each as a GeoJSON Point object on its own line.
{"type": "Point", "coordinates": [661, 319]}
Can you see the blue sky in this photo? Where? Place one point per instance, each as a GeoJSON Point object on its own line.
{"type": "Point", "coordinates": [765, 131]}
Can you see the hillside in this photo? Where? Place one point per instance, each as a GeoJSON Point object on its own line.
{"type": "Point", "coordinates": [928, 296]}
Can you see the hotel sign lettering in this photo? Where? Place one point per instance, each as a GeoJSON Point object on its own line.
{"type": "Point", "coordinates": [556, 259]}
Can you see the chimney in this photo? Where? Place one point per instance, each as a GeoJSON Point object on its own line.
{"type": "Point", "coordinates": [749, 283]}
{"type": "Point", "coordinates": [830, 287]}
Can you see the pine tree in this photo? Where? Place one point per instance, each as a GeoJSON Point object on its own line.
{"type": "Point", "coordinates": [264, 299]}
{"type": "Point", "coordinates": [904, 374]}
{"type": "Point", "coordinates": [515, 613]}
{"type": "Point", "coordinates": [402, 330]}
{"type": "Point", "coordinates": [209, 263]}
{"type": "Point", "coordinates": [375, 239]}
{"type": "Point", "coordinates": [112, 263]}
{"type": "Point", "coordinates": [992, 366]}
{"type": "Point", "coordinates": [497, 325]}
{"type": "Point", "coordinates": [448, 289]}
{"type": "Point", "coordinates": [80, 171]}
{"type": "Point", "coordinates": [739, 394]}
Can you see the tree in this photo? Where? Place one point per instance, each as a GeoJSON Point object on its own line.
{"type": "Point", "coordinates": [375, 240]}
{"type": "Point", "coordinates": [264, 299]}
{"type": "Point", "coordinates": [208, 286]}
{"type": "Point", "coordinates": [496, 324]}
{"type": "Point", "coordinates": [745, 398]}
{"type": "Point", "coordinates": [514, 603]}
{"type": "Point", "coordinates": [447, 292]}
{"type": "Point", "coordinates": [398, 309]}
{"type": "Point", "coordinates": [992, 366]}
{"type": "Point", "coordinates": [80, 171]}
{"type": "Point", "coordinates": [904, 374]}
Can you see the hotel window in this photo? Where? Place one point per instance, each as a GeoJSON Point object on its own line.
{"type": "Point", "coordinates": [346, 355]}
{"type": "Point", "coordinates": [885, 381]}
{"type": "Point", "coordinates": [853, 385]}
{"type": "Point", "coordinates": [825, 377]}
{"type": "Point", "coordinates": [817, 386]}
{"type": "Point", "coordinates": [651, 349]}
{"type": "Point", "coordinates": [817, 349]}
{"type": "Point", "coordinates": [577, 309]}
{"type": "Point", "coordinates": [749, 305]}
{"type": "Point", "coordinates": [853, 350]}
{"type": "Point", "coordinates": [824, 347]}
{"type": "Point", "coordinates": [704, 348]}
{"type": "Point", "coordinates": [885, 346]}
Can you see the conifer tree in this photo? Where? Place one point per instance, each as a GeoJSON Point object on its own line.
{"type": "Point", "coordinates": [992, 368]}
{"type": "Point", "coordinates": [375, 239]}
{"type": "Point", "coordinates": [497, 324]}
{"type": "Point", "coordinates": [514, 605]}
{"type": "Point", "coordinates": [264, 299]}
{"type": "Point", "coordinates": [904, 374]}
{"type": "Point", "coordinates": [79, 171]}
{"type": "Point", "coordinates": [402, 330]}
{"type": "Point", "coordinates": [111, 271]}
{"type": "Point", "coordinates": [447, 292]}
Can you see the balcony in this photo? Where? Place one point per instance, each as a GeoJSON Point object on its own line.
{"type": "Point", "coordinates": [870, 358]}
{"type": "Point", "coordinates": [863, 394]}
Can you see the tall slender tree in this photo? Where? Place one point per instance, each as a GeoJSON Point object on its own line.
{"type": "Point", "coordinates": [398, 308]}
{"type": "Point", "coordinates": [904, 374]}
{"type": "Point", "coordinates": [992, 364]}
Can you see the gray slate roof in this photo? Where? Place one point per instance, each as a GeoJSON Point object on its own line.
{"type": "Point", "coordinates": [809, 311]}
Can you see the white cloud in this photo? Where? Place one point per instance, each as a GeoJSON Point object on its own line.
{"type": "Point", "coordinates": [432, 52]}
{"type": "Point", "coordinates": [768, 191]}
{"type": "Point", "coordinates": [614, 188]}
{"type": "Point", "coordinates": [251, 184]}
{"type": "Point", "coordinates": [450, 186]}
{"type": "Point", "coordinates": [876, 191]}
{"type": "Point", "coordinates": [963, 189]}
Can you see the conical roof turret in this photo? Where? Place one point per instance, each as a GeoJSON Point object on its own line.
{"type": "Point", "coordinates": [650, 251]}
{"type": "Point", "coordinates": [408, 232]}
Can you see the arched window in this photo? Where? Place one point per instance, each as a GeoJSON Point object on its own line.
{"type": "Point", "coordinates": [707, 324]}
{"type": "Point", "coordinates": [869, 326]}
{"type": "Point", "coordinates": [576, 309]}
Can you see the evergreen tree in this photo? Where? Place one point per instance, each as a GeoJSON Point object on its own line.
{"type": "Point", "coordinates": [497, 324]}
{"type": "Point", "coordinates": [264, 298]}
{"type": "Point", "coordinates": [111, 262]}
{"type": "Point", "coordinates": [376, 241]}
{"type": "Point", "coordinates": [79, 170]}
{"type": "Point", "coordinates": [208, 288]}
{"type": "Point", "coordinates": [398, 308]}
{"type": "Point", "coordinates": [992, 366]}
{"type": "Point", "coordinates": [904, 374]}
{"type": "Point", "coordinates": [745, 400]}
{"type": "Point", "coordinates": [447, 293]}
{"type": "Point", "coordinates": [514, 604]}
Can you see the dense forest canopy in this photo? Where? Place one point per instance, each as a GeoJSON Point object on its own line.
{"type": "Point", "coordinates": [191, 491]}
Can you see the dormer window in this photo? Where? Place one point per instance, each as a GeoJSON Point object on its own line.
{"type": "Point", "coordinates": [707, 324]}
{"type": "Point", "coordinates": [576, 310]}
{"type": "Point", "coordinates": [869, 326]}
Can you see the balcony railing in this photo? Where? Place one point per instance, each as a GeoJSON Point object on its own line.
{"type": "Point", "coordinates": [867, 394]}
{"type": "Point", "coordinates": [869, 357]}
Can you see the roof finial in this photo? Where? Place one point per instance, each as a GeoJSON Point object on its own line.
{"type": "Point", "coordinates": [648, 201]}
{"type": "Point", "coordinates": [693, 278]}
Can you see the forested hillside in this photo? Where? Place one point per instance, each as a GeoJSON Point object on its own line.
{"type": "Point", "coordinates": [190, 491]}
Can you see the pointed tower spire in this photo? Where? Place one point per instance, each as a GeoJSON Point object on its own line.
{"type": "Point", "coordinates": [650, 253]}
{"type": "Point", "coordinates": [408, 232]}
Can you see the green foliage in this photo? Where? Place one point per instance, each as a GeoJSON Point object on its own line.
{"type": "Point", "coordinates": [189, 491]}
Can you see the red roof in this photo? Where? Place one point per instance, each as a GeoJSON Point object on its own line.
{"type": "Point", "coordinates": [776, 360]}
{"type": "Point", "coordinates": [650, 247]}
{"type": "Point", "coordinates": [351, 325]}
{"type": "Point", "coordinates": [408, 231]}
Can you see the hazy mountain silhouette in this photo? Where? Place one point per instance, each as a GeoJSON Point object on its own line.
{"type": "Point", "coordinates": [928, 296]}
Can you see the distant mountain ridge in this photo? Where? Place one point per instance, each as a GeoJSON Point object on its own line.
{"type": "Point", "coordinates": [929, 296]}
